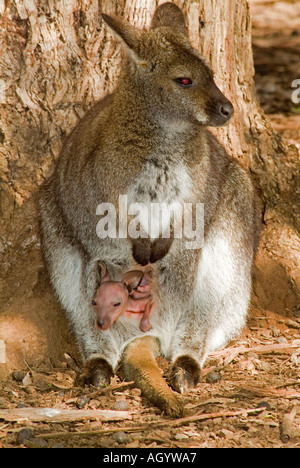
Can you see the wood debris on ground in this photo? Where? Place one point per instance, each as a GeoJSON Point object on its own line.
{"type": "Point", "coordinates": [248, 396]}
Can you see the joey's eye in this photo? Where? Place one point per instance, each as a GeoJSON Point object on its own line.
{"type": "Point", "coordinates": [184, 82]}
{"type": "Point", "coordinates": [94, 303]}
{"type": "Point", "coordinates": [117, 304]}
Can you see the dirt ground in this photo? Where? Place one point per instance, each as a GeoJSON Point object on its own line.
{"type": "Point", "coordinates": [249, 392]}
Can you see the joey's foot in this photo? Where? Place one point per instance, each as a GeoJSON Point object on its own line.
{"type": "Point", "coordinates": [143, 251]}
{"type": "Point", "coordinates": [184, 374]}
{"type": "Point", "coordinates": [97, 372]}
{"type": "Point", "coordinates": [160, 248]}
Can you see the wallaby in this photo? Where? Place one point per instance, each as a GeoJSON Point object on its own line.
{"type": "Point", "coordinates": [149, 140]}
{"type": "Point", "coordinates": [132, 295]}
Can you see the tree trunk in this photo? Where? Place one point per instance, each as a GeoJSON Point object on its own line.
{"type": "Point", "coordinates": [56, 61]}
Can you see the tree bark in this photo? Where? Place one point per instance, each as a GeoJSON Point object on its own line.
{"type": "Point", "coordinates": [56, 60]}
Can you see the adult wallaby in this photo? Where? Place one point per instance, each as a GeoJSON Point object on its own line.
{"type": "Point", "coordinates": [148, 140]}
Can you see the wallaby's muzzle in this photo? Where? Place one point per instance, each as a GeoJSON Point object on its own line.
{"type": "Point", "coordinates": [219, 109]}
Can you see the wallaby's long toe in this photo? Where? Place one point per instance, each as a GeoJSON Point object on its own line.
{"type": "Point", "coordinates": [139, 364]}
{"type": "Point", "coordinates": [173, 407]}
{"type": "Point", "coordinates": [184, 374]}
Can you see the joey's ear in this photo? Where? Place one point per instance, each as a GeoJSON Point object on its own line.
{"type": "Point", "coordinates": [169, 15]}
{"type": "Point", "coordinates": [103, 272]}
{"type": "Point", "coordinates": [128, 33]}
{"type": "Point", "coordinates": [133, 278]}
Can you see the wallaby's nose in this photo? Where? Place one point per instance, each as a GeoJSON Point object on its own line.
{"type": "Point", "coordinates": [226, 110]}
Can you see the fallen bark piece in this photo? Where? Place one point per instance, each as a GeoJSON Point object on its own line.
{"type": "Point", "coordinates": [287, 426]}
{"type": "Point", "coordinates": [229, 354]}
{"type": "Point", "coordinates": [292, 324]}
{"type": "Point", "coordinates": [61, 415]}
{"type": "Point", "coordinates": [72, 363]}
{"type": "Point", "coordinates": [2, 352]}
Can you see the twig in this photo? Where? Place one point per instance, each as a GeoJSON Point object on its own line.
{"type": "Point", "coordinates": [156, 424]}
{"type": "Point", "coordinates": [212, 401]}
{"type": "Point", "coordinates": [203, 416]}
{"type": "Point", "coordinates": [270, 392]}
{"type": "Point", "coordinates": [110, 388]}
{"type": "Point", "coordinates": [231, 353]}
{"type": "Point", "coordinates": [111, 430]}
{"type": "Point", "coordinates": [289, 384]}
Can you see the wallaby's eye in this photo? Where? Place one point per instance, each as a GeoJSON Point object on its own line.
{"type": "Point", "coordinates": [117, 304]}
{"type": "Point", "coordinates": [184, 82]}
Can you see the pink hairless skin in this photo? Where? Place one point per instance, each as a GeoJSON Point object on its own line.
{"type": "Point", "coordinates": [132, 295]}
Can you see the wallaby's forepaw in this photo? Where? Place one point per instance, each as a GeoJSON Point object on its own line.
{"type": "Point", "coordinates": [97, 372]}
{"type": "Point", "coordinates": [184, 374]}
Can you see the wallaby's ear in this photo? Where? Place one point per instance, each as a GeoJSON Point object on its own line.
{"type": "Point", "coordinates": [169, 15]}
{"type": "Point", "coordinates": [129, 34]}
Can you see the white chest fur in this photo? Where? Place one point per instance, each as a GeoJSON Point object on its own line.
{"type": "Point", "coordinates": [159, 194]}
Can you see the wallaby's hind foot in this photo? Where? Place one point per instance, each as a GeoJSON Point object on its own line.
{"type": "Point", "coordinates": [184, 374]}
{"type": "Point", "coordinates": [97, 372]}
{"type": "Point", "coordinates": [139, 364]}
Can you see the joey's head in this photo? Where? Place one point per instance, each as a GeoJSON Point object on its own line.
{"type": "Point", "coordinates": [171, 76]}
{"type": "Point", "coordinates": [110, 300]}
{"type": "Point", "coordinates": [109, 303]}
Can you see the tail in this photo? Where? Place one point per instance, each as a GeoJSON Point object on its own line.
{"type": "Point", "coordinates": [139, 364]}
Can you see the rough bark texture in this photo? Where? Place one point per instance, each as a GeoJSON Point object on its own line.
{"type": "Point", "coordinates": [56, 60]}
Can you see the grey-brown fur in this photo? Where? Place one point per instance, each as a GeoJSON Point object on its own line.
{"type": "Point", "coordinates": [149, 140]}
